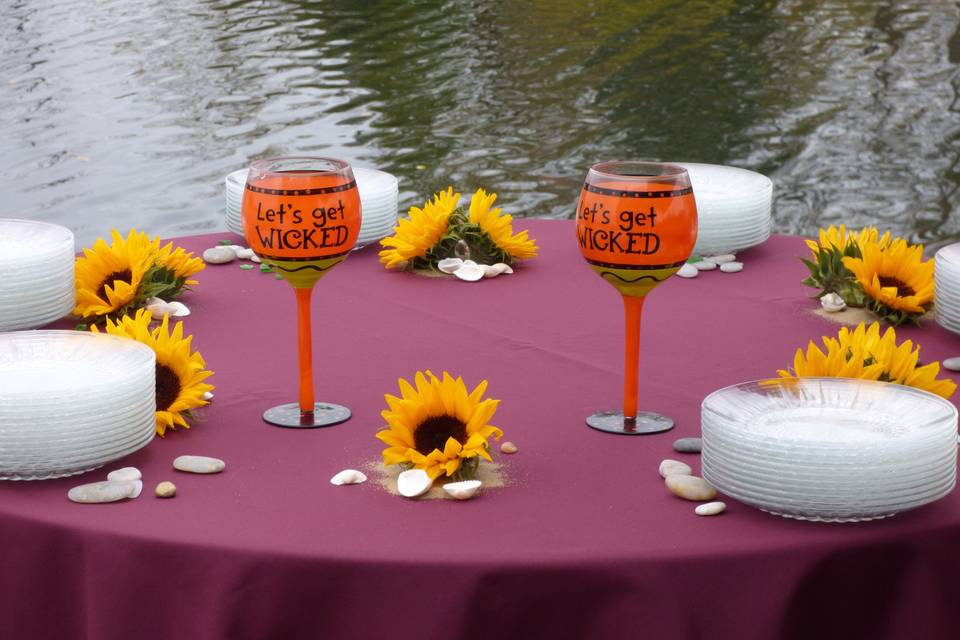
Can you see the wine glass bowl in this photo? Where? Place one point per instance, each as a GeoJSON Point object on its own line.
{"type": "Point", "coordinates": [301, 215]}
{"type": "Point", "coordinates": [636, 226]}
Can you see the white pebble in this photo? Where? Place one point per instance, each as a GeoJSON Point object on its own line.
{"type": "Point", "coordinates": [449, 265]}
{"type": "Point", "coordinates": [489, 271]}
{"type": "Point", "coordinates": [208, 395]}
{"type": "Point", "coordinates": [254, 258]}
{"type": "Point", "coordinates": [245, 254]}
{"type": "Point", "coordinates": [731, 267]}
{"type": "Point", "coordinates": [690, 488]}
{"type": "Point", "coordinates": [219, 255]}
{"type": "Point", "coordinates": [462, 490]}
{"type": "Point", "coordinates": [413, 483]}
{"type": "Point", "coordinates": [348, 476]}
{"type": "Point", "coordinates": [688, 271]}
{"type": "Point", "coordinates": [710, 508]}
{"type": "Point", "coordinates": [952, 364]}
{"type": "Point", "coordinates": [832, 302]}
{"type": "Point", "coordinates": [198, 464]}
{"type": "Point", "coordinates": [127, 473]}
{"type": "Point", "coordinates": [670, 467]}
{"type": "Point", "coordinates": [705, 265]}
{"type": "Point", "coordinates": [98, 492]}
{"type": "Point", "coordinates": [469, 272]}
{"type": "Point", "coordinates": [136, 487]}
{"type": "Point", "coordinates": [722, 259]}
{"type": "Point", "coordinates": [178, 309]}
{"type": "Point", "coordinates": [503, 267]}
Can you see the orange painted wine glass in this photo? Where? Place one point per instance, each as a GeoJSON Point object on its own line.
{"type": "Point", "coordinates": [636, 226]}
{"type": "Point", "coordinates": [301, 215]}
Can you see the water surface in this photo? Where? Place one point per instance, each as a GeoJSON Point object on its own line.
{"type": "Point", "coordinates": [129, 113]}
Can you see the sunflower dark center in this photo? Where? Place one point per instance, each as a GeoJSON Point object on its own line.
{"type": "Point", "coordinates": [168, 387]}
{"type": "Point", "coordinates": [432, 433]}
{"type": "Point", "coordinates": [903, 290]}
{"type": "Point", "coordinates": [124, 275]}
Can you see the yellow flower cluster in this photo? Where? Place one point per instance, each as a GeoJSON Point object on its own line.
{"type": "Point", "coordinates": [867, 354]}
{"type": "Point", "coordinates": [436, 425]}
{"type": "Point", "coordinates": [180, 372]}
{"type": "Point", "coordinates": [114, 278]}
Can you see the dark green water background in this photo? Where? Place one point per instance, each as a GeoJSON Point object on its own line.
{"type": "Point", "coordinates": [128, 112]}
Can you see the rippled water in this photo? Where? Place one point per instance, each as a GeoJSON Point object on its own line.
{"type": "Point", "coordinates": [122, 112]}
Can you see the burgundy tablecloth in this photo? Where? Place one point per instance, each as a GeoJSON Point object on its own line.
{"type": "Point", "coordinates": [585, 542]}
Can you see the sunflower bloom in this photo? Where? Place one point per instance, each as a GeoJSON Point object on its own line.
{"type": "Point", "coordinates": [415, 235]}
{"type": "Point", "coordinates": [180, 373]}
{"type": "Point", "coordinates": [896, 278]}
{"type": "Point", "coordinates": [867, 354]}
{"type": "Point", "coordinates": [436, 425]}
{"type": "Point", "coordinates": [499, 227]}
{"type": "Point", "coordinates": [837, 238]}
{"type": "Point", "coordinates": [108, 277]}
{"type": "Point", "coordinates": [180, 263]}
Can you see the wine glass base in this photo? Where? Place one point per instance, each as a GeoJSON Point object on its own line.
{"type": "Point", "coordinates": [289, 415]}
{"type": "Point", "coordinates": [644, 423]}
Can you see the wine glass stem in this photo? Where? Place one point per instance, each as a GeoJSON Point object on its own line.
{"type": "Point", "coordinates": [633, 305]}
{"type": "Point", "coordinates": [305, 349]}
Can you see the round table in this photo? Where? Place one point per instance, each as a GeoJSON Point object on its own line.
{"type": "Point", "coordinates": [584, 541]}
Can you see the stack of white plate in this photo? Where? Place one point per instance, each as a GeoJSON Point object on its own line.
{"type": "Point", "coordinates": [946, 274]}
{"type": "Point", "coordinates": [379, 194]}
{"type": "Point", "coordinates": [829, 449]}
{"type": "Point", "coordinates": [36, 273]}
{"type": "Point", "coordinates": [733, 207]}
{"type": "Point", "coordinates": [72, 401]}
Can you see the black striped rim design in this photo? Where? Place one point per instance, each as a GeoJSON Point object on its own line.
{"type": "Point", "coordinates": [636, 267]}
{"type": "Point", "coordinates": [303, 192]}
{"type": "Point", "coordinates": [284, 259]}
{"type": "Point", "coordinates": [631, 280]}
{"type": "Point", "coordinates": [637, 194]}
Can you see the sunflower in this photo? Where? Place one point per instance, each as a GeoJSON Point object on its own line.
{"type": "Point", "coordinates": [837, 238]}
{"type": "Point", "coordinates": [108, 277]}
{"type": "Point", "coordinates": [865, 353]}
{"type": "Point", "coordinates": [438, 426]}
{"type": "Point", "coordinates": [180, 373]}
{"type": "Point", "coordinates": [414, 236]}
{"type": "Point", "coordinates": [180, 263]}
{"type": "Point", "coordinates": [499, 228]}
{"type": "Point", "coordinates": [897, 279]}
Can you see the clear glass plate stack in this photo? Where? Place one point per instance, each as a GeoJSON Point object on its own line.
{"type": "Point", "coordinates": [946, 275]}
{"type": "Point", "coordinates": [72, 401]}
{"type": "Point", "coordinates": [36, 273]}
{"type": "Point", "coordinates": [379, 195]}
{"type": "Point", "coordinates": [733, 207]}
{"type": "Point", "coordinates": [829, 449]}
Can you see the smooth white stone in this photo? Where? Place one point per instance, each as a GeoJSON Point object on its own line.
{"type": "Point", "coordinates": [219, 255]}
{"type": "Point", "coordinates": [237, 248]}
{"type": "Point", "coordinates": [245, 254]}
{"type": "Point", "coordinates": [208, 395]}
{"type": "Point", "coordinates": [136, 487]}
{"type": "Point", "coordinates": [449, 265]}
{"type": "Point", "coordinates": [503, 267]}
{"type": "Point", "coordinates": [710, 508]}
{"type": "Point", "coordinates": [413, 483]}
{"type": "Point", "coordinates": [674, 467]}
{"type": "Point", "coordinates": [952, 364]}
{"type": "Point", "coordinates": [731, 267]}
{"type": "Point", "coordinates": [125, 474]}
{"type": "Point", "coordinates": [722, 259]}
{"type": "Point", "coordinates": [254, 258]}
{"type": "Point", "coordinates": [690, 488]}
{"type": "Point", "coordinates": [470, 263]}
{"type": "Point", "coordinates": [489, 271]}
{"type": "Point", "coordinates": [469, 272]}
{"type": "Point", "coordinates": [832, 302]}
{"type": "Point", "coordinates": [688, 445]}
{"type": "Point", "coordinates": [157, 308]}
{"type": "Point", "coordinates": [178, 309]}
{"type": "Point", "coordinates": [199, 464]}
{"type": "Point", "coordinates": [97, 492]}
{"type": "Point", "coordinates": [462, 490]}
{"type": "Point", "coordinates": [688, 271]}
{"type": "Point", "coordinates": [705, 265]}
{"type": "Point", "coordinates": [348, 476]}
